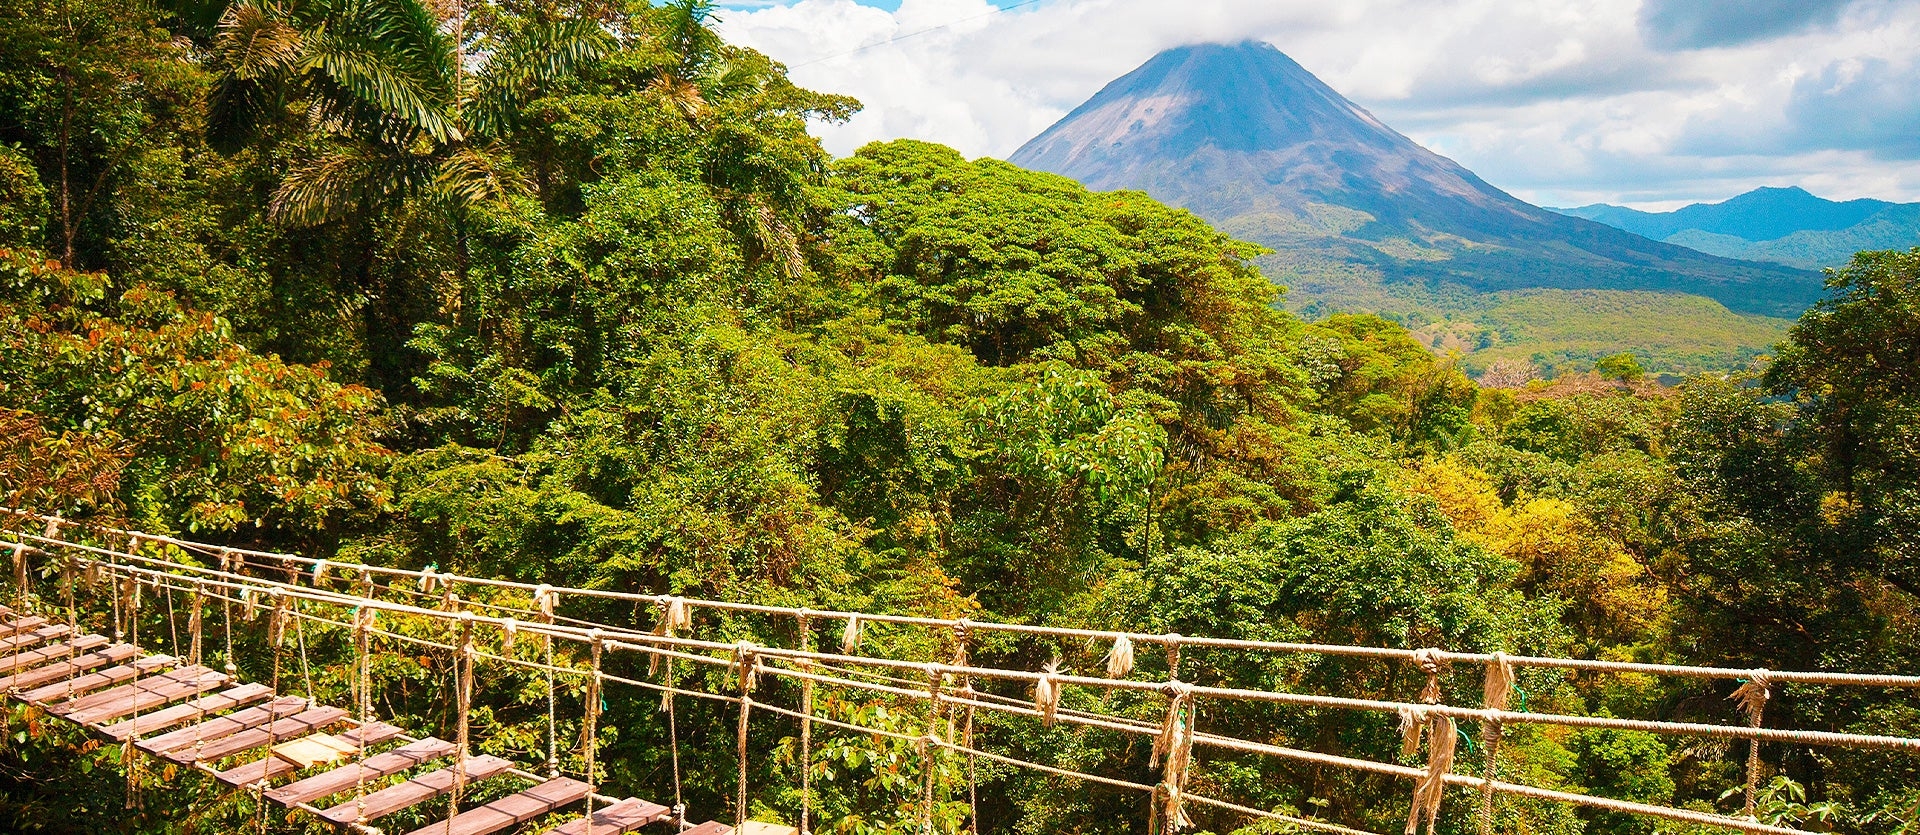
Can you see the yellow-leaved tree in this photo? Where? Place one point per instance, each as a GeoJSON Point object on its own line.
{"type": "Point", "coordinates": [1612, 598]}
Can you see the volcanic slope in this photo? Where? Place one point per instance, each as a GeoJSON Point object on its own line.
{"type": "Point", "coordinates": [1360, 217]}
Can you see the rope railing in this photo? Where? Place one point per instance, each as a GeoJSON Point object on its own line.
{"type": "Point", "coordinates": [837, 669]}
{"type": "Point", "coordinates": [1164, 639]}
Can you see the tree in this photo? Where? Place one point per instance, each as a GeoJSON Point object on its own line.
{"type": "Point", "coordinates": [87, 88]}
{"type": "Point", "coordinates": [1622, 367]}
{"type": "Point", "coordinates": [391, 87]}
{"type": "Point", "coordinates": [1852, 364]}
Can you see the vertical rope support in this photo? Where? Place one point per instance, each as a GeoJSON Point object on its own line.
{"type": "Point", "coordinates": [1752, 696]}
{"type": "Point", "coordinates": [543, 600]}
{"type": "Point", "coordinates": [52, 532]}
{"type": "Point", "coordinates": [195, 619]}
{"type": "Point", "coordinates": [805, 644]}
{"type": "Point", "coordinates": [300, 638]}
{"type": "Point", "coordinates": [130, 763]}
{"type": "Point", "coordinates": [930, 747]}
{"type": "Point", "coordinates": [463, 697]}
{"type": "Point", "coordinates": [363, 623]}
{"type": "Point", "coordinates": [173, 623]}
{"type": "Point", "coordinates": [590, 735]}
{"type": "Point", "coordinates": [962, 650]}
{"type": "Point", "coordinates": [747, 665]}
{"type": "Point", "coordinates": [673, 747]}
{"type": "Point", "coordinates": [1494, 697]}
{"type": "Point", "coordinates": [1441, 740]}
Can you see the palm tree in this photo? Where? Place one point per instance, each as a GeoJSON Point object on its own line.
{"type": "Point", "coordinates": [389, 84]}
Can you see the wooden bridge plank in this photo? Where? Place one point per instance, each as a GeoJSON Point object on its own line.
{"type": "Point", "coordinates": [708, 828]}
{"type": "Point", "coordinates": [113, 694]}
{"type": "Point", "coordinates": [347, 776]}
{"type": "Point", "coordinates": [149, 697]}
{"type": "Point", "coordinates": [66, 669]}
{"type": "Point", "coordinates": [422, 788]}
{"type": "Point", "coordinates": [273, 766]}
{"type": "Point", "coordinates": [73, 688]}
{"type": "Point", "coordinates": [18, 625]}
{"type": "Point", "coordinates": [512, 810]}
{"type": "Point", "coordinates": [34, 658]}
{"type": "Point", "coordinates": [298, 725]}
{"type": "Point", "coordinates": [21, 641]}
{"type": "Point", "coordinates": [206, 707]}
{"type": "Point", "coordinates": [222, 726]}
{"type": "Point", "coordinates": [618, 819]}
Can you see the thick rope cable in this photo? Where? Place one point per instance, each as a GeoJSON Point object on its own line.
{"type": "Point", "coordinates": [1752, 732]}
{"type": "Point", "coordinates": [1679, 728]}
{"type": "Point", "coordinates": [1384, 653]}
{"type": "Point", "coordinates": [1604, 803]}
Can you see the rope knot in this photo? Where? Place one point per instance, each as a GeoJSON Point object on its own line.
{"type": "Point", "coordinates": [544, 598]}
{"type": "Point", "coordinates": [746, 665]}
{"type": "Point", "coordinates": [1430, 661]}
{"type": "Point", "coordinates": [1752, 695]}
{"type": "Point", "coordinates": [1176, 689]}
{"type": "Point", "coordinates": [508, 632]}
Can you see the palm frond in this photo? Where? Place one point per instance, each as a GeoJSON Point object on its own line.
{"type": "Point", "coordinates": [537, 55]}
{"type": "Point", "coordinates": [254, 50]}
{"type": "Point", "coordinates": [728, 78]}
{"type": "Point", "coordinates": [347, 180]}
{"type": "Point", "coordinates": [471, 176]}
{"type": "Point", "coordinates": [254, 43]}
{"type": "Point", "coordinates": [682, 96]}
{"type": "Point", "coordinates": [385, 87]}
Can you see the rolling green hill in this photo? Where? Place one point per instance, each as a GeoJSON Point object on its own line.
{"type": "Point", "coordinates": [1567, 330]}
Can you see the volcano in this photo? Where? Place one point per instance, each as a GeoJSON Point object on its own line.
{"type": "Point", "coordinates": [1359, 216]}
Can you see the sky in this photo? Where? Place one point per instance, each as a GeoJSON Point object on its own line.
{"type": "Point", "coordinates": [1648, 103]}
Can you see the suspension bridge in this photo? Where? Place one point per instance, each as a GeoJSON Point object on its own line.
{"type": "Point", "coordinates": [348, 767]}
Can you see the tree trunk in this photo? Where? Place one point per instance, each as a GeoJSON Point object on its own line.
{"type": "Point", "coordinates": [66, 190]}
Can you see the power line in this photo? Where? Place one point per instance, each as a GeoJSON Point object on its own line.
{"type": "Point", "coordinates": [916, 33]}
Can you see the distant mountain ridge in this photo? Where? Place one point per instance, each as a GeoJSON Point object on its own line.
{"type": "Point", "coordinates": [1360, 216]}
{"type": "Point", "coordinates": [1783, 225]}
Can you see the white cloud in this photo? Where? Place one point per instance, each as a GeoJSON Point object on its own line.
{"type": "Point", "coordinates": [1558, 101]}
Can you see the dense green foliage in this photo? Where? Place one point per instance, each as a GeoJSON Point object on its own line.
{"type": "Point", "coordinates": [566, 293]}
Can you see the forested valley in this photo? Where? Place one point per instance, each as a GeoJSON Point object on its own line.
{"type": "Point", "coordinates": [565, 292]}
